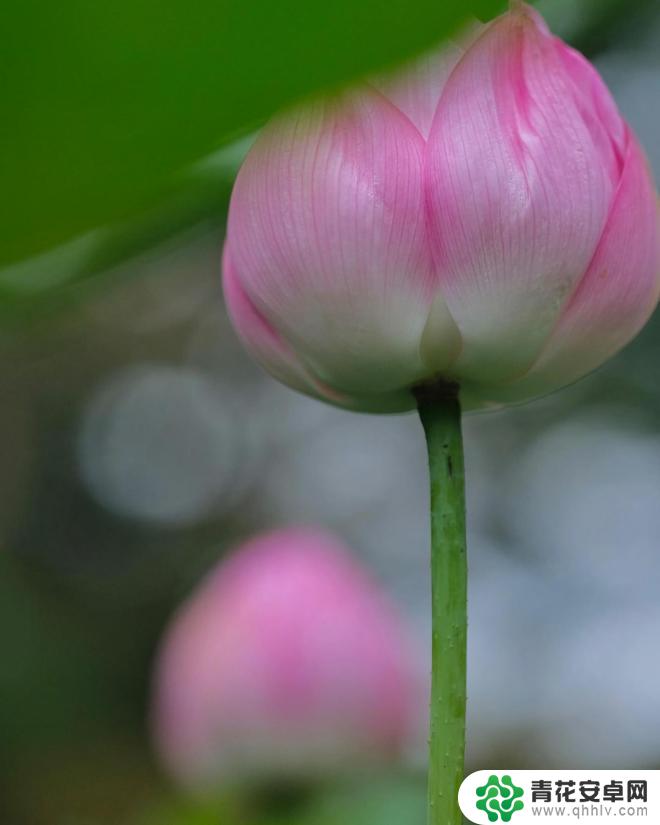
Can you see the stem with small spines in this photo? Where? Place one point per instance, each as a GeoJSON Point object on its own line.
{"type": "Point", "coordinates": [440, 412]}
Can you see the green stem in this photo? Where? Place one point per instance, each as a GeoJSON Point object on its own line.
{"type": "Point", "coordinates": [440, 412]}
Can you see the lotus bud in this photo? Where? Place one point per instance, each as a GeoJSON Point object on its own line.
{"type": "Point", "coordinates": [483, 217]}
{"type": "Point", "coordinates": [288, 664]}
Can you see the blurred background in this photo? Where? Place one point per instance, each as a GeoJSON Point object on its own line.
{"type": "Point", "coordinates": [140, 443]}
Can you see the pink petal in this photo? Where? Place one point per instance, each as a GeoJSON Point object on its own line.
{"type": "Point", "coordinates": [260, 338]}
{"type": "Point", "coordinates": [597, 109]}
{"type": "Point", "coordinates": [618, 293]}
{"type": "Point", "coordinates": [327, 237]}
{"type": "Point", "coordinates": [268, 347]}
{"type": "Point", "coordinates": [415, 89]}
{"type": "Point", "coordinates": [519, 191]}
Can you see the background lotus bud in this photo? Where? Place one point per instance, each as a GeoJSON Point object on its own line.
{"type": "Point", "coordinates": [288, 663]}
{"type": "Point", "coordinates": [485, 217]}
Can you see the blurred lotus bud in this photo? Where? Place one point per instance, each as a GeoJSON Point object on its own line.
{"type": "Point", "coordinates": [483, 217]}
{"type": "Point", "coordinates": [287, 664]}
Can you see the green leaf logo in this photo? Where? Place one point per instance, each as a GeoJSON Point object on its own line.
{"type": "Point", "coordinates": [499, 798]}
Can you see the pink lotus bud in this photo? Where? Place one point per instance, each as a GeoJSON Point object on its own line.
{"type": "Point", "coordinates": [484, 217]}
{"type": "Point", "coordinates": [288, 662]}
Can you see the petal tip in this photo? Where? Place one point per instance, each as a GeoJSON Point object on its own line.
{"type": "Point", "coordinates": [522, 11]}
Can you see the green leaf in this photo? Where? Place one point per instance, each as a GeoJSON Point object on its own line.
{"type": "Point", "coordinates": [47, 282]}
{"type": "Point", "coordinates": [103, 104]}
{"type": "Point", "coordinates": [386, 800]}
{"type": "Point", "coordinates": [396, 801]}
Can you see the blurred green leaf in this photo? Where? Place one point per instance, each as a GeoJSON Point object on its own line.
{"type": "Point", "coordinates": [103, 103]}
{"type": "Point", "coordinates": [41, 284]}
{"type": "Point", "coordinates": [182, 814]}
{"type": "Point", "coordinates": [390, 800]}
{"type": "Point", "coordinates": [395, 801]}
